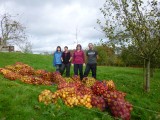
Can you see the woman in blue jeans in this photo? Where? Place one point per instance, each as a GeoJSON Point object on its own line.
{"type": "Point", "coordinates": [57, 62]}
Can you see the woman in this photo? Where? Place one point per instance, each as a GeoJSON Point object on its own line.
{"type": "Point", "coordinates": [57, 59]}
{"type": "Point", "coordinates": [78, 61]}
{"type": "Point", "coordinates": [66, 61]}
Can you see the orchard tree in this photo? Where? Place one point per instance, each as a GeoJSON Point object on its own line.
{"type": "Point", "coordinates": [13, 32]}
{"type": "Point", "coordinates": [134, 23]}
{"type": "Point", "coordinates": [130, 59]}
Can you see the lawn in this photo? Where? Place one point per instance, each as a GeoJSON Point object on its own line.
{"type": "Point", "coordinates": [20, 101]}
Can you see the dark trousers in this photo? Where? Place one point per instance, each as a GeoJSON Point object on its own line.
{"type": "Point", "coordinates": [58, 67]}
{"type": "Point", "coordinates": [78, 67]}
{"type": "Point", "coordinates": [67, 67]}
{"type": "Point", "coordinates": [93, 68]}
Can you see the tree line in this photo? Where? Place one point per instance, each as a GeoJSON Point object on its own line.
{"type": "Point", "coordinates": [122, 56]}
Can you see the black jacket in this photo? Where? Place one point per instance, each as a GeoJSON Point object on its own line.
{"type": "Point", "coordinates": [66, 57]}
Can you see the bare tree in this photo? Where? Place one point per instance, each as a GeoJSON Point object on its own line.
{"type": "Point", "coordinates": [11, 31]}
{"type": "Point", "coordinates": [25, 47]}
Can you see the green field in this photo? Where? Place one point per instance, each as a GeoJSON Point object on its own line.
{"type": "Point", "coordinates": [19, 101]}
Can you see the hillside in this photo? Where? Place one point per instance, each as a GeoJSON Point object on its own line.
{"type": "Point", "coordinates": [20, 101]}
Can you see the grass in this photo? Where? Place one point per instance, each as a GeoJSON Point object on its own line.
{"type": "Point", "coordinates": [20, 101]}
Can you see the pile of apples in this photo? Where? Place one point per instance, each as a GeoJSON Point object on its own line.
{"type": "Point", "coordinates": [21, 68]}
{"type": "Point", "coordinates": [69, 96]}
{"type": "Point", "coordinates": [88, 93]}
{"type": "Point", "coordinates": [10, 74]}
{"type": "Point", "coordinates": [26, 74]}
{"type": "Point", "coordinates": [99, 88]}
{"type": "Point", "coordinates": [89, 81]}
{"type": "Point", "coordinates": [76, 78]}
{"type": "Point", "coordinates": [57, 78]}
{"type": "Point", "coordinates": [45, 97]}
{"type": "Point", "coordinates": [121, 109]}
{"type": "Point", "coordinates": [110, 84]}
{"type": "Point", "coordinates": [117, 104]}
{"type": "Point", "coordinates": [98, 102]}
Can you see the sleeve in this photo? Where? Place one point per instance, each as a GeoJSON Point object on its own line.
{"type": "Point", "coordinates": [86, 53]}
{"type": "Point", "coordinates": [54, 60]}
{"type": "Point", "coordinates": [70, 54]}
{"type": "Point", "coordinates": [83, 56]}
{"type": "Point", "coordinates": [96, 53]}
{"type": "Point", "coordinates": [73, 57]}
{"type": "Point", "coordinates": [62, 56]}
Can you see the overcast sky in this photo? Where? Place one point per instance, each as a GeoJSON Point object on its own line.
{"type": "Point", "coordinates": [53, 22]}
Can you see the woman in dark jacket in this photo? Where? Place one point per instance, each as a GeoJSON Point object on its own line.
{"type": "Point", "coordinates": [66, 61]}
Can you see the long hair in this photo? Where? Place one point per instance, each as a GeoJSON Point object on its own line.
{"type": "Point", "coordinates": [57, 48]}
{"type": "Point", "coordinates": [79, 46]}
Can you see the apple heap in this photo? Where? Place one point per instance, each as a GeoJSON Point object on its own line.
{"type": "Point", "coordinates": [10, 75]}
{"type": "Point", "coordinates": [21, 68]}
{"type": "Point", "coordinates": [74, 92]}
{"type": "Point", "coordinates": [84, 100]}
{"type": "Point", "coordinates": [99, 88]}
{"type": "Point", "coordinates": [89, 81]}
{"type": "Point", "coordinates": [78, 101]}
{"type": "Point", "coordinates": [26, 71]}
{"type": "Point", "coordinates": [83, 90]}
{"type": "Point", "coordinates": [98, 102]}
{"type": "Point", "coordinates": [27, 79]}
{"type": "Point", "coordinates": [64, 94]}
{"type": "Point", "coordinates": [68, 79]}
{"type": "Point", "coordinates": [70, 97]}
{"type": "Point", "coordinates": [110, 96]}
{"type": "Point", "coordinates": [121, 108]}
{"type": "Point", "coordinates": [46, 97]}
{"type": "Point", "coordinates": [76, 78]}
{"type": "Point", "coordinates": [46, 76]}
{"type": "Point", "coordinates": [57, 78]}
{"type": "Point", "coordinates": [37, 81]}
{"type": "Point", "coordinates": [110, 84]}
{"type": "Point", "coordinates": [64, 84]}
{"type": "Point", "coordinates": [1, 69]}
{"type": "Point", "coordinates": [5, 71]}
{"type": "Point", "coordinates": [10, 67]}
{"type": "Point", "coordinates": [39, 72]}
{"type": "Point", "coordinates": [47, 83]}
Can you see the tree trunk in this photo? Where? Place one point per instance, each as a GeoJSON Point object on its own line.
{"type": "Point", "coordinates": [147, 85]}
{"type": "Point", "coordinates": [144, 74]}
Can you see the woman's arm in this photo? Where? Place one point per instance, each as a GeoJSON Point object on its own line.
{"type": "Point", "coordinates": [83, 56]}
{"type": "Point", "coordinates": [54, 59]}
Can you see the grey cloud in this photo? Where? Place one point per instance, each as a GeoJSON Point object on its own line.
{"type": "Point", "coordinates": [54, 22]}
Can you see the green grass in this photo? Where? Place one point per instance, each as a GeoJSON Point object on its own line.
{"type": "Point", "coordinates": [20, 101]}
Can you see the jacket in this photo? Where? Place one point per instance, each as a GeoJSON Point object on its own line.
{"type": "Point", "coordinates": [78, 57]}
{"type": "Point", "coordinates": [57, 58]}
{"type": "Point", "coordinates": [66, 57]}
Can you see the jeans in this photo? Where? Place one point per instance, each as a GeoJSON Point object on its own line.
{"type": "Point", "coordinates": [78, 67]}
{"type": "Point", "coordinates": [58, 67]}
{"type": "Point", "coordinates": [93, 68]}
{"type": "Point", "coordinates": [67, 67]}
